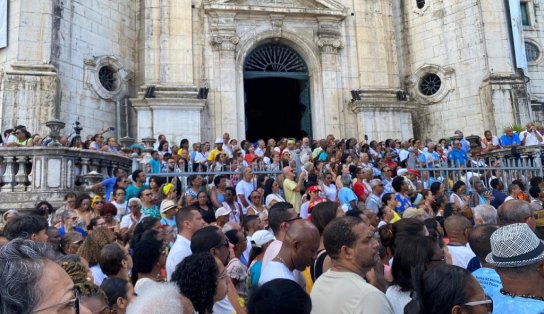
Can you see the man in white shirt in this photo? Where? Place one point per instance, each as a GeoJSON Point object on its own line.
{"type": "Point", "coordinates": [261, 147]}
{"type": "Point", "coordinates": [530, 136]}
{"type": "Point", "coordinates": [188, 220]}
{"type": "Point", "coordinates": [298, 250]}
{"type": "Point", "coordinates": [458, 228]}
{"type": "Point", "coordinates": [244, 189]}
{"type": "Point", "coordinates": [351, 245]}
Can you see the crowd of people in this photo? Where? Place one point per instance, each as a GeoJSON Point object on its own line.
{"type": "Point", "coordinates": [336, 226]}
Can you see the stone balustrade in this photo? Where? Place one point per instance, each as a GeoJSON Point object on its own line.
{"type": "Point", "coordinates": [29, 175]}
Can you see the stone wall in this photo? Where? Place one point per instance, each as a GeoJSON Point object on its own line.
{"type": "Point", "coordinates": [72, 38]}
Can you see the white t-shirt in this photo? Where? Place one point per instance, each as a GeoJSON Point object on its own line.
{"type": "Point", "coordinates": [275, 270]}
{"type": "Point", "coordinates": [244, 188]}
{"type": "Point", "coordinates": [460, 255]}
{"type": "Point", "coordinates": [304, 210]}
{"type": "Point", "coordinates": [223, 307]}
{"type": "Point", "coordinates": [98, 274]}
{"type": "Point", "coordinates": [121, 209]}
{"type": "Point", "coordinates": [126, 221]}
{"type": "Point", "coordinates": [273, 197]}
{"type": "Point", "coordinates": [530, 138]}
{"type": "Point", "coordinates": [347, 292]}
{"type": "Point", "coordinates": [330, 192]}
{"type": "Point", "coordinates": [397, 298]}
{"type": "Point", "coordinates": [180, 250]}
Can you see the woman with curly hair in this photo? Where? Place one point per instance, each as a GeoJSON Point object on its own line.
{"type": "Point", "coordinates": [91, 247]}
{"type": "Point", "coordinates": [202, 279]}
{"type": "Point", "coordinates": [92, 298]}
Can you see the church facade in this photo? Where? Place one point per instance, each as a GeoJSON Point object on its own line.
{"type": "Point", "coordinates": [271, 68]}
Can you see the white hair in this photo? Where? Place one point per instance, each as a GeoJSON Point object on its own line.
{"type": "Point", "coordinates": [157, 298]}
{"type": "Point", "coordinates": [486, 213]}
{"type": "Point", "coordinates": [135, 200]}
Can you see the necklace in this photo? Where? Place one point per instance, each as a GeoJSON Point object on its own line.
{"type": "Point", "coordinates": [281, 260]}
{"type": "Point", "coordinates": [528, 296]}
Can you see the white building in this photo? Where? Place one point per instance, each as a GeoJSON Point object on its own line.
{"type": "Point", "coordinates": [196, 69]}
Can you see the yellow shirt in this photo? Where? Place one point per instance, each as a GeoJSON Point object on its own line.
{"type": "Point", "coordinates": [214, 152]}
{"type": "Point", "coordinates": [291, 195]}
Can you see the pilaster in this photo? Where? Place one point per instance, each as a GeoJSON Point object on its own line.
{"type": "Point", "coordinates": [330, 42]}
{"type": "Point", "coordinates": [224, 41]}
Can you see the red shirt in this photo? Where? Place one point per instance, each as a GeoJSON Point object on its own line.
{"type": "Point", "coordinates": [359, 190]}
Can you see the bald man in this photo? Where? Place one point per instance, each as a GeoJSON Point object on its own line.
{"type": "Point", "coordinates": [516, 211]}
{"type": "Point", "coordinates": [298, 250]}
{"type": "Point", "coordinates": [458, 228]}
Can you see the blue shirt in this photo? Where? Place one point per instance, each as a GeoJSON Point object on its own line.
{"type": "Point", "coordinates": [465, 145]}
{"type": "Point", "coordinates": [346, 195]}
{"type": "Point", "coordinates": [509, 141]}
{"type": "Point", "coordinates": [458, 157]}
{"type": "Point", "coordinates": [489, 280]}
{"type": "Point", "coordinates": [155, 166]}
{"type": "Point", "coordinates": [497, 198]}
{"type": "Point", "coordinates": [503, 304]}
{"type": "Point", "coordinates": [62, 232]}
{"type": "Point", "coordinates": [403, 204]}
{"type": "Point", "coordinates": [108, 184]}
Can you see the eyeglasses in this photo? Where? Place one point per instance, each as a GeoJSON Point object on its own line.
{"type": "Point", "coordinates": [70, 304]}
{"type": "Point", "coordinates": [443, 259]}
{"type": "Point", "coordinates": [488, 302]}
{"type": "Point", "coordinates": [293, 219]}
{"type": "Point", "coordinates": [225, 244]}
{"type": "Point", "coordinates": [133, 206]}
{"type": "Point", "coordinates": [99, 202]}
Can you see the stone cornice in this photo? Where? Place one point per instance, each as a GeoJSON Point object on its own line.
{"type": "Point", "coordinates": [266, 10]}
{"type": "Point", "coordinates": [32, 69]}
{"type": "Point", "coordinates": [380, 100]}
{"type": "Point", "coordinates": [381, 105]}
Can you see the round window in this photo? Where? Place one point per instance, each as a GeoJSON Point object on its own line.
{"type": "Point", "coordinates": [430, 84]}
{"type": "Point", "coordinates": [108, 78]}
{"type": "Point", "coordinates": [531, 52]}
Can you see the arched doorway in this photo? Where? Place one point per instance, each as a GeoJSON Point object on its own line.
{"type": "Point", "coordinates": [276, 94]}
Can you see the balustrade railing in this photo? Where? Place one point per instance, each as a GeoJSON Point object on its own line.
{"type": "Point", "coordinates": [32, 174]}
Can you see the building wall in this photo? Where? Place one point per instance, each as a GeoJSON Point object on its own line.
{"type": "Point", "coordinates": [386, 47]}
{"type": "Point", "coordinates": [60, 37]}
{"type": "Point", "coordinates": [85, 30]}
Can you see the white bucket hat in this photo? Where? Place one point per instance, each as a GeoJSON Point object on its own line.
{"type": "Point", "coordinates": [515, 245]}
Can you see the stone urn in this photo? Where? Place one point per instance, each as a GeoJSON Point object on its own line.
{"type": "Point", "coordinates": [474, 141]}
{"type": "Point", "coordinates": [55, 126]}
{"type": "Point", "coordinates": [126, 142]}
{"type": "Point", "coordinates": [148, 144]}
{"type": "Point", "coordinates": [92, 178]}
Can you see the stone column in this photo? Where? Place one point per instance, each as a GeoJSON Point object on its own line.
{"type": "Point", "coordinates": [329, 42]}
{"type": "Point", "coordinates": [176, 42]}
{"type": "Point", "coordinates": [224, 41]}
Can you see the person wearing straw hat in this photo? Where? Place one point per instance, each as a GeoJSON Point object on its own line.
{"type": "Point", "coordinates": [518, 256]}
{"type": "Point", "coordinates": [168, 211]}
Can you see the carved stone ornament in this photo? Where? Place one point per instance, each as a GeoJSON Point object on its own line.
{"type": "Point", "coordinates": [329, 38]}
{"type": "Point", "coordinates": [276, 20]}
{"type": "Point", "coordinates": [225, 42]}
{"type": "Point", "coordinates": [107, 77]}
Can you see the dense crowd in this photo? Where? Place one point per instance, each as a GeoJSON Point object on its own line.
{"type": "Point", "coordinates": [335, 226]}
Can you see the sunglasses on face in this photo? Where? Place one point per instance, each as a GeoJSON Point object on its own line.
{"type": "Point", "coordinates": [293, 219]}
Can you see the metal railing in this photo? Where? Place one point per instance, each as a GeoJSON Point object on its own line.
{"type": "Point", "coordinates": [232, 172]}
{"type": "Point", "coordinates": [506, 167]}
